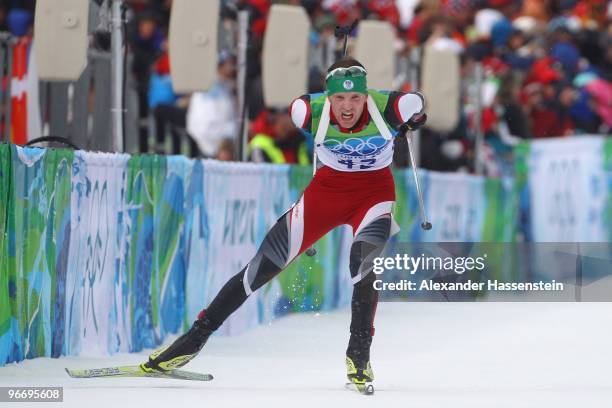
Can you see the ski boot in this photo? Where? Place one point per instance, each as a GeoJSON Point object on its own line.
{"type": "Point", "coordinates": [183, 350]}
{"type": "Point", "coordinates": [360, 375]}
{"type": "Point", "coordinates": [358, 368]}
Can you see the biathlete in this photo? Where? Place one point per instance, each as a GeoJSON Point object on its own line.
{"type": "Point", "coordinates": [353, 129]}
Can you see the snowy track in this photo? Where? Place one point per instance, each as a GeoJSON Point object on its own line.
{"type": "Point", "coordinates": [424, 355]}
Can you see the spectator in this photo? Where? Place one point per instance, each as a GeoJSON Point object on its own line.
{"type": "Point", "coordinates": [258, 14]}
{"type": "Point", "coordinates": [601, 92]}
{"type": "Point", "coordinates": [277, 140]}
{"type": "Point", "coordinates": [517, 54]}
{"type": "Point", "coordinates": [322, 42]}
{"type": "Point", "coordinates": [510, 109]}
{"type": "Point", "coordinates": [147, 42]}
{"type": "Point", "coordinates": [20, 22]}
{"type": "Point", "coordinates": [345, 11]}
{"type": "Point", "coordinates": [582, 110]}
{"type": "Point", "coordinates": [169, 110]}
{"type": "Point", "coordinates": [566, 54]}
{"type": "Point", "coordinates": [545, 121]}
{"type": "Point", "coordinates": [211, 116]}
{"type": "Point", "coordinates": [384, 10]}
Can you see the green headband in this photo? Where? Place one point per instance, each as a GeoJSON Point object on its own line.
{"type": "Point", "coordinates": [347, 84]}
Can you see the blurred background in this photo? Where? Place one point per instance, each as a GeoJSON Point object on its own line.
{"type": "Point", "coordinates": [544, 68]}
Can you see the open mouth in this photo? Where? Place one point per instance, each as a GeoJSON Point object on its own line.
{"type": "Point", "coordinates": [347, 116]}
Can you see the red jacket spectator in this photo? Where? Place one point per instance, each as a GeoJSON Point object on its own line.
{"type": "Point", "coordinates": [386, 10]}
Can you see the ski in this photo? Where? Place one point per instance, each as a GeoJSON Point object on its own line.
{"type": "Point", "coordinates": [365, 389]}
{"type": "Point", "coordinates": [137, 371]}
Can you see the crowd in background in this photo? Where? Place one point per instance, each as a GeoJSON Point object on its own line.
{"type": "Point", "coordinates": [547, 73]}
{"type": "Point", "coordinates": [547, 70]}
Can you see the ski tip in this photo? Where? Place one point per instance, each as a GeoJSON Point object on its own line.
{"type": "Point", "coordinates": [365, 389]}
{"type": "Point", "coordinates": [68, 372]}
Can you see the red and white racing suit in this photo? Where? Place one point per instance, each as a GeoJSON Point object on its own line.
{"type": "Point", "coordinates": [361, 199]}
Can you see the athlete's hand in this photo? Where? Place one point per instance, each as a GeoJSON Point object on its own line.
{"type": "Point", "coordinates": [415, 122]}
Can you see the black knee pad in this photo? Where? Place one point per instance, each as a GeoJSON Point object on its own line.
{"type": "Point", "coordinates": [368, 244]}
{"type": "Point", "coordinates": [271, 256]}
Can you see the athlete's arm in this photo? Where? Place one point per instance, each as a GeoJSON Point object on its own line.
{"type": "Point", "coordinates": [300, 113]}
{"type": "Point", "coordinates": [406, 110]}
{"type": "Point", "coordinates": [301, 116]}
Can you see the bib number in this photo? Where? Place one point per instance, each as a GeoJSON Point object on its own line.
{"type": "Point", "coordinates": [362, 163]}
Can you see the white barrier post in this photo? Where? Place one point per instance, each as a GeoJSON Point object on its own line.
{"type": "Point", "coordinates": [117, 63]}
{"type": "Point", "coordinates": [479, 140]}
{"type": "Point", "coordinates": [243, 38]}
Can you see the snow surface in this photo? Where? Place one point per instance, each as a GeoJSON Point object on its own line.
{"type": "Point", "coordinates": [424, 355]}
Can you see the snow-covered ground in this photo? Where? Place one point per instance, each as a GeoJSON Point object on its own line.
{"type": "Point", "coordinates": [424, 355]}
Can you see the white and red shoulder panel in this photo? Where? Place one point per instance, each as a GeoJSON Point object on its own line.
{"type": "Point", "coordinates": [300, 112]}
{"type": "Point", "coordinates": [409, 104]}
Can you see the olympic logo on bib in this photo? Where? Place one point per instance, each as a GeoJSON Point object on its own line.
{"type": "Point", "coordinates": [356, 146]}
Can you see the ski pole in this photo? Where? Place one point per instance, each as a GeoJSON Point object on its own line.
{"type": "Point", "coordinates": [426, 225]}
{"type": "Point", "coordinates": [346, 32]}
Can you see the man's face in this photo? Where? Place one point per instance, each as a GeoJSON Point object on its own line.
{"type": "Point", "coordinates": [146, 29]}
{"type": "Point", "coordinates": [227, 70]}
{"type": "Point", "coordinates": [347, 107]}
